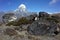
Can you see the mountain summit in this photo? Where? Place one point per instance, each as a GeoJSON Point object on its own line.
{"type": "Point", "coordinates": [22, 7]}
{"type": "Point", "coordinates": [21, 10]}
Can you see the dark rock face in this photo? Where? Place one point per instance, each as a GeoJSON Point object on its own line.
{"type": "Point", "coordinates": [41, 28]}
{"type": "Point", "coordinates": [31, 17]}
{"type": "Point", "coordinates": [43, 14]}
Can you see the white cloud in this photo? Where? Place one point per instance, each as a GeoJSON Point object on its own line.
{"type": "Point", "coordinates": [53, 2]}
{"type": "Point", "coordinates": [21, 8]}
{"type": "Point", "coordinates": [49, 12]}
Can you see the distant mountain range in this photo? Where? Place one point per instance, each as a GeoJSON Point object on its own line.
{"type": "Point", "coordinates": [21, 11]}
{"type": "Point", "coordinates": [1, 14]}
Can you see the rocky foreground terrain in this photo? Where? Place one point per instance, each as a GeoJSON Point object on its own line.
{"type": "Point", "coordinates": [13, 33]}
{"type": "Point", "coordinates": [46, 27]}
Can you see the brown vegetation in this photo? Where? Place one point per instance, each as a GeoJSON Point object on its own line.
{"type": "Point", "coordinates": [22, 20]}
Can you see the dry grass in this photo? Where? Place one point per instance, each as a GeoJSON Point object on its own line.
{"type": "Point", "coordinates": [10, 32]}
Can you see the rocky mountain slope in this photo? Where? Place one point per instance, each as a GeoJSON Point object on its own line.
{"type": "Point", "coordinates": [46, 27]}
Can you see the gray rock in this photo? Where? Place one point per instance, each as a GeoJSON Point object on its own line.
{"type": "Point", "coordinates": [42, 27]}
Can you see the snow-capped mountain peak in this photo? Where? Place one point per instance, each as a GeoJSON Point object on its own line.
{"type": "Point", "coordinates": [21, 11]}
{"type": "Point", "coordinates": [22, 7]}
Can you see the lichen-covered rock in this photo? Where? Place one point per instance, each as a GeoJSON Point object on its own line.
{"type": "Point", "coordinates": [42, 27]}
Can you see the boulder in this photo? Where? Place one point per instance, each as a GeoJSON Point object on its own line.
{"type": "Point", "coordinates": [42, 27]}
{"type": "Point", "coordinates": [43, 14]}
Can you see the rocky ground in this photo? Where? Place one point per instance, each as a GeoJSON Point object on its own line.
{"type": "Point", "coordinates": [46, 27]}
{"type": "Point", "coordinates": [10, 33]}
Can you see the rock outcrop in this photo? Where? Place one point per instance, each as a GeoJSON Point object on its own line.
{"type": "Point", "coordinates": [43, 26]}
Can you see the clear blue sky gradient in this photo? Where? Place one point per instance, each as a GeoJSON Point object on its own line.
{"type": "Point", "coordinates": [32, 5]}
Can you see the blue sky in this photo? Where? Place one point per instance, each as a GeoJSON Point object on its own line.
{"type": "Point", "coordinates": [32, 5]}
